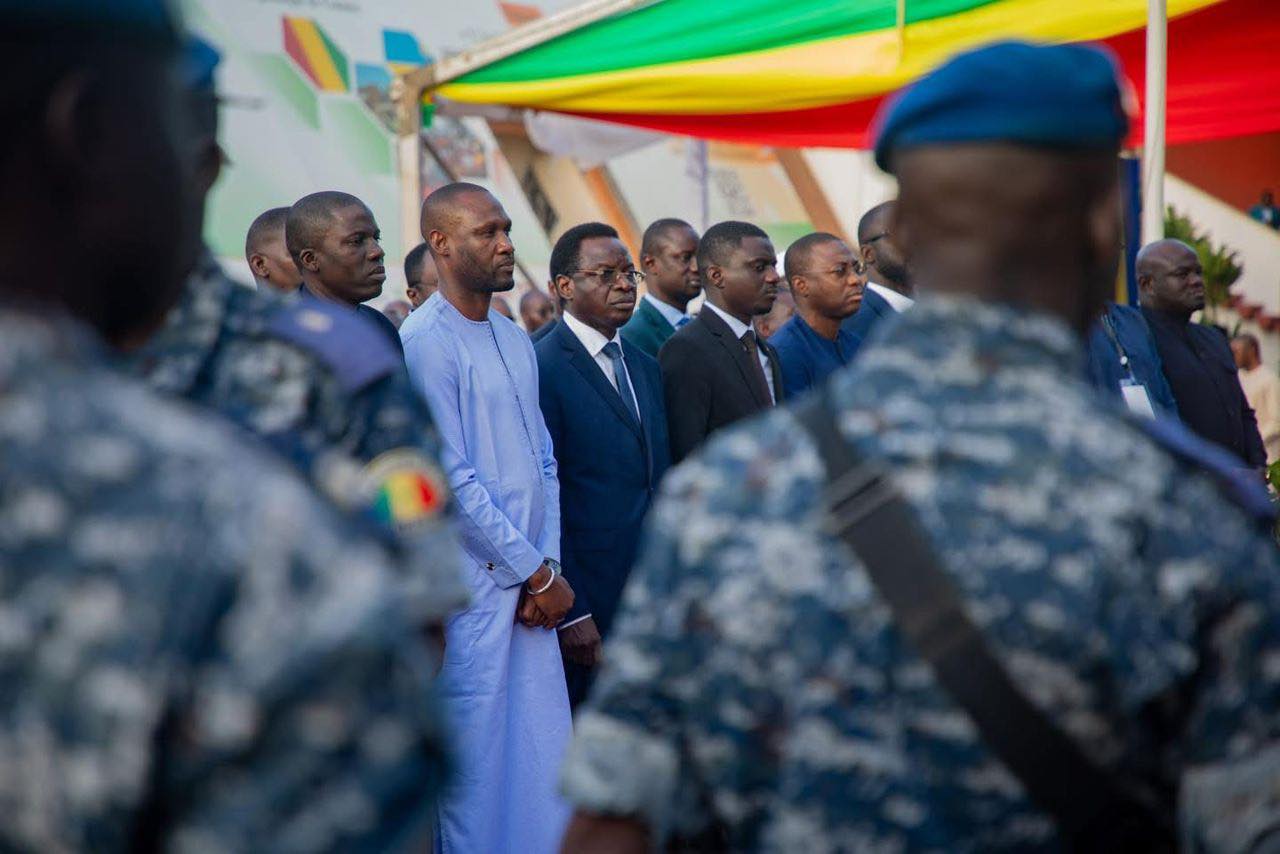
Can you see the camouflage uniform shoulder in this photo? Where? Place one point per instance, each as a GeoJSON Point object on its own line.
{"type": "Point", "coordinates": [327, 333]}
{"type": "Point", "coordinates": [169, 577]}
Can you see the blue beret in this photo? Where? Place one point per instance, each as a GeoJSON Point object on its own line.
{"type": "Point", "coordinates": [141, 18]}
{"type": "Point", "coordinates": [199, 60]}
{"type": "Point", "coordinates": [1064, 96]}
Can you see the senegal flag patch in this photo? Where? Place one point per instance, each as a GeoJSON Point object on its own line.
{"type": "Point", "coordinates": [404, 488]}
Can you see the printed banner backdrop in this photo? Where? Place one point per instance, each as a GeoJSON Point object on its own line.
{"type": "Point", "coordinates": [305, 107]}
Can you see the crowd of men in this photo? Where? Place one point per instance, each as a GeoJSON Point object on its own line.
{"type": "Point", "coordinates": [981, 571]}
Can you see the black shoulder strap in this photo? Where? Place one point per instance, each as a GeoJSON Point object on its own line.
{"type": "Point", "coordinates": [865, 510]}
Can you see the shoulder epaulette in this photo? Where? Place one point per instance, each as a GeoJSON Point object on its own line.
{"type": "Point", "coordinates": [356, 352]}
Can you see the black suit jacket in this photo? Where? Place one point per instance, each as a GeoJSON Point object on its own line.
{"type": "Point", "coordinates": [705, 381]}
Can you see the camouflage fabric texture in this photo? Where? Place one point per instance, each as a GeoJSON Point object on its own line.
{"type": "Point", "coordinates": [196, 653]}
{"type": "Point", "coordinates": [755, 682]}
{"type": "Point", "coordinates": [323, 389]}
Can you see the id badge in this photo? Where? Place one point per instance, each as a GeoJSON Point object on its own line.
{"type": "Point", "coordinates": [1136, 398]}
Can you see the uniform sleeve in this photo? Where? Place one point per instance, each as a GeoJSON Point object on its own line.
{"type": "Point", "coordinates": [688, 399]}
{"type": "Point", "coordinates": [1218, 582]}
{"type": "Point", "coordinates": [629, 754]}
{"type": "Point", "coordinates": [308, 723]}
{"type": "Point", "coordinates": [487, 534]}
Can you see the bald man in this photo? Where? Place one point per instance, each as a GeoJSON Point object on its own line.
{"type": "Point", "coordinates": [1196, 359]}
{"type": "Point", "coordinates": [502, 680]}
{"type": "Point", "coordinates": [267, 255]}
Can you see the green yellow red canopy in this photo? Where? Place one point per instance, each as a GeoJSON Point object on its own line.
{"type": "Point", "coordinates": [813, 72]}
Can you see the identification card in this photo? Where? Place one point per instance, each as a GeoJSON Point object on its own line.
{"type": "Point", "coordinates": [1137, 399]}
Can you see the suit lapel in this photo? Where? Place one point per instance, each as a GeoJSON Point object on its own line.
{"type": "Point", "coordinates": [716, 325]}
{"type": "Point", "coordinates": [590, 371]}
{"type": "Point", "coordinates": [655, 319]}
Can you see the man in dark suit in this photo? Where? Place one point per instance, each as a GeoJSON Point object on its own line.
{"type": "Point", "coordinates": [889, 289]}
{"type": "Point", "coordinates": [602, 402]}
{"type": "Point", "coordinates": [714, 370]}
{"type": "Point", "coordinates": [335, 243]}
{"type": "Point", "coordinates": [1196, 359]}
{"type": "Point", "coordinates": [669, 261]}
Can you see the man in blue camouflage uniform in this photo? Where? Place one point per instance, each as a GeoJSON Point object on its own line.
{"type": "Point", "coordinates": [322, 386]}
{"type": "Point", "coordinates": [196, 652]}
{"type": "Point", "coordinates": [757, 692]}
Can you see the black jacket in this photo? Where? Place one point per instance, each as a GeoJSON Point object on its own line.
{"type": "Point", "coordinates": [705, 381]}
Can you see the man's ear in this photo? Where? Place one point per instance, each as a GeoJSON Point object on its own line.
{"type": "Point", "coordinates": [563, 287]}
{"type": "Point", "coordinates": [799, 285]}
{"type": "Point", "coordinates": [258, 264]}
{"type": "Point", "coordinates": [439, 242]}
{"type": "Point", "coordinates": [868, 255]}
{"type": "Point", "coordinates": [715, 275]}
{"type": "Point", "coordinates": [309, 259]}
{"type": "Point", "coordinates": [648, 262]}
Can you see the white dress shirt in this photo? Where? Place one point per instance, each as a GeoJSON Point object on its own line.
{"type": "Point", "coordinates": [672, 314]}
{"type": "Point", "coordinates": [595, 344]}
{"type": "Point", "coordinates": [898, 302]}
{"type": "Point", "coordinates": [739, 329]}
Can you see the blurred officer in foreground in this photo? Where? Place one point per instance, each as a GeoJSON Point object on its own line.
{"type": "Point", "coordinates": [197, 653]}
{"type": "Point", "coordinates": [322, 386]}
{"type": "Point", "coordinates": [769, 688]}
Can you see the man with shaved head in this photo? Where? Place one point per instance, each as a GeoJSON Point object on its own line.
{"type": "Point", "coordinates": [1196, 359]}
{"type": "Point", "coordinates": [336, 244]}
{"type": "Point", "coordinates": [268, 256]}
{"type": "Point", "coordinates": [502, 679]}
{"type": "Point", "coordinates": [890, 288]}
{"type": "Point", "coordinates": [826, 281]}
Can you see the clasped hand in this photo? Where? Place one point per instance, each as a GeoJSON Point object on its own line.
{"type": "Point", "coordinates": [546, 610]}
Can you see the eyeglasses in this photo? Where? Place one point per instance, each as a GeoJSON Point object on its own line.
{"type": "Point", "coordinates": [610, 277]}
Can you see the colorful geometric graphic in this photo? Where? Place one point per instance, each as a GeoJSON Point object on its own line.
{"type": "Point", "coordinates": [316, 54]}
{"type": "Point", "coordinates": [403, 53]}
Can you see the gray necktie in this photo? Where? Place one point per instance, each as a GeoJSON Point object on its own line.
{"type": "Point", "coordinates": [614, 352]}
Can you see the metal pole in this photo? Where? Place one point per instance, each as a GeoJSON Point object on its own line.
{"type": "Point", "coordinates": [1153, 123]}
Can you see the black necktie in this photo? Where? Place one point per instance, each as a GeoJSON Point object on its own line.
{"type": "Point", "coordinates": [755, 370]}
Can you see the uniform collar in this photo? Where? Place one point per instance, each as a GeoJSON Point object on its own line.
{"type": "Point", "coordinates": [591, 339]}
{"type": "Point", "coordinates": [171, 361]}
{"type": "Point", "coordinates": [31, 339]}
{"type": "Point", "coordinates": [958, 330]}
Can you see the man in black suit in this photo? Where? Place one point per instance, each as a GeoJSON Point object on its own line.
{"type": "Point", "coordinates": [714, 369]}
{"type": "Point", "coordinates": [601, 398]}
{"type": "Point", "coordinates": [1196, 359]}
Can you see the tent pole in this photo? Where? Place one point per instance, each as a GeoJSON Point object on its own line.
{"type": "Point", "coordinates": [1154, 122]}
